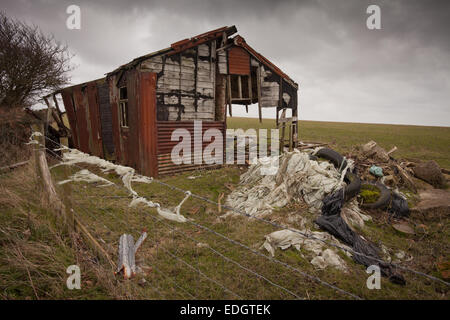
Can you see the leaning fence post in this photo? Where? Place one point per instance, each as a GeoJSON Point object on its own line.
{"type": "Point", "coordinates": [51, 198]}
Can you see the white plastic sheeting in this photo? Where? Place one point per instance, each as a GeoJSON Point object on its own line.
{"type": "Point", "coordinates": [127, 174]}
{"type": "Point", "coordinates": [89, 177]}
{"type": "Point", "coordinates": [322, 256]}
{"type": "Point", "coordinates": [297, 178]}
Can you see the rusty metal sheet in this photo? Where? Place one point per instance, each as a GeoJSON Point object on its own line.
{"type": "Point", "coordinates": [165, 145]}
{"type": "Point", "coordinates": [148, 132]}
{"type": "Point", "coordinates": [105, 119]}
{"type": "Point", "coordinates": [114, 97]}
{"type": "Point", "coordinates": [95, 137]}
{"type": "Point", "coordinates": [238, 61]}
{"type": "Point", "coordinates": [82, 124]}
{"type": "Point", "coordinates": [70, 111]}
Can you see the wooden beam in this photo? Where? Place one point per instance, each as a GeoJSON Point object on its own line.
{"type": "Point", "coordinates": [258, 85]}
{"type": "Point", "coordinates": [229, 95]}
{"type": "Point", "coordinates": [250, 93]}
{"type": "Point", "coordinates": [239, 87]}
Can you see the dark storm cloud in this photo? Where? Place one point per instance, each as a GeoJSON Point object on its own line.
{"type": "Point", "coordinates": [399, 74]}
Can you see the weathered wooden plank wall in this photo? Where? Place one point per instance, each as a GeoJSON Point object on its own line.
{"type": "Point", "coordinates": [185, 84]}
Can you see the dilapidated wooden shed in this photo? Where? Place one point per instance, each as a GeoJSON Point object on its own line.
{"type": "Point", "coordinates": [129, 115]}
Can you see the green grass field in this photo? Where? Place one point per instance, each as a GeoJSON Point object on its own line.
{"type": "Point", "coordinates": [413, 142]}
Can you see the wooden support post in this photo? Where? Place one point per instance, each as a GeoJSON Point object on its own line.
{"type": "Point", "coordinates": [53, 200]}
{"type": "Point", "coordinates": [258, 85]}
{"type": "Point", "coordinates": [62, 129]}
{"type": "Point", "coordinates": [290, 135]}
{"type": "Point", "coordinates": [239, 87]}
{"type": "Point", "coordinates": [283, 130]}
{"type": "Point", "coordinates": [250, 93]}
{"type": "Point", "coordinates": [229, 96]}
{"type": "Point", "coordinates": [51, 197]}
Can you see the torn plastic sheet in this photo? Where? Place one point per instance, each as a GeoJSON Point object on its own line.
{"type": "Point", "coordinates": [127, 174]}
{"type": "Point", "coordinates": [34, 134]}
{"type": "Point", "coordinates": [323, 257]}
{"type": "Point", "coordinates": [87, 176]}
{"type": "Point", "coordinates": [297, 178]}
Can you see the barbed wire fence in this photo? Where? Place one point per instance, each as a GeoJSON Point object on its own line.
{"type": "Point", "coordinates": [222, 256]}
{"type": "Point", "coordinates": [235, 243]}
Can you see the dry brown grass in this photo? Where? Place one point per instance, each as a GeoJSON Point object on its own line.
{"type": "Point", "coordinates": [35, 249]}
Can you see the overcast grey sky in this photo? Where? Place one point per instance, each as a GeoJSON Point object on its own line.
{"type": "Point", "coordinates": [346, 72]}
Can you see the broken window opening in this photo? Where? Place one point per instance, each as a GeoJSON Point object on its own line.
{"type": "Point", "coordinates": [241, 88]}
{"type": "Point", "coordinates": [123, 106]}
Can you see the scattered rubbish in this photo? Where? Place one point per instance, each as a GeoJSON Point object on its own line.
{"type": "Point", "coordinates": [376, 171]}
{"type": "Point", "coordinates": [174, 216]}
{"type": "Point", "coordinates": [399, 206]}
{"type": "Point", "coordinates": [353, 185]}
{"type": "Point", "coordinates": [336, 158]}
{"type": "Point", "coordinates": [403, 228]}
{"type": "Point", "coordinates": [284, 239]}
{"type": "Point", "coordinates": [374, 151]}
{"type": "Point", "coordinates": [127, 254]}
{"type": "Point", "coordinates": [329, 258]}
{"type": "Point", "coordinates": [374, 195]}
{"type": "Point", "coordinates": [331, 221]}
{"type": "Point", "coordinates": [297, 179]}
{"type": "Point", "coordinates": [353, 216]}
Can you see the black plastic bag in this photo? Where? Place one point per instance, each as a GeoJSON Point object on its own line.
{"type": "Point", "coordinates": [399, 206]}
{"type": "Point", "coordinates": [331, 221]}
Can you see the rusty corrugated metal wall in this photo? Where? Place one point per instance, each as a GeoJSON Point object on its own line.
{"type": "Point", "coordinates": [238, 61]}
{"type": "Point", "coordinates": [165, 145]}
{"type": "Point", "coordinates": [82, 105]}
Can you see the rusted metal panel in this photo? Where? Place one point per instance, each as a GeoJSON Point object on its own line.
{"type": "Point", "coordinates": [70, 110]}
{"type": "Point", "coordinates": [82, 125]}
{"type": "Point", "coordinates": [238, 61]}
{"type": "Point", "coordinates": [130, 135]}
{"type": "Point", "coordinates": [148, 132]}
{"type": "Point", "coordinates": [105, 119]}
{"type": "Point", "coordinates": [114, 98]}
{"type": "Point", "coordinates": [95, 137]}
{"type": "Point", "coordinates": [165, 145]}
